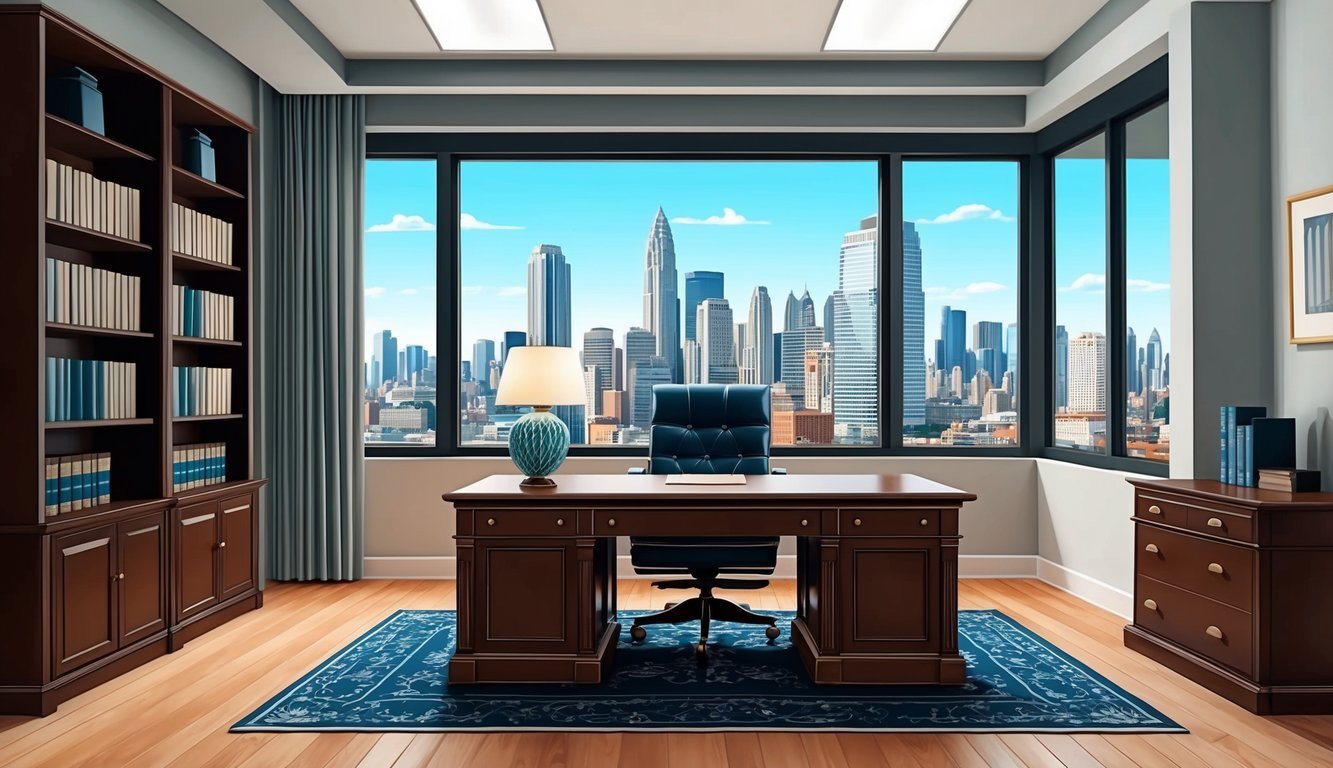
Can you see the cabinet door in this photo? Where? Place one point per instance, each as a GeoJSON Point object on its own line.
{"type": "Point", "coordinates": [236, 546]}
{"type": "Point", "coordinates": [141, 549]}
{"type": "Point", "coordinates": [83, 593]}
{"type": "Point", "coordinates": [196, 559]}
{"type": "Point", "coordinates": [889, 590]}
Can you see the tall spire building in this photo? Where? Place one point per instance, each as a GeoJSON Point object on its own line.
{"type": "Point", "coordinates": [549, 303]}
{"type": "Point", "coordinates": [856, 337]}
{"type": "Point", "coordinates": [914, 330]}
{"type": "Point", "coordinates": [757, 354]}
{"type": "Point", "coordinates": [661, 313]}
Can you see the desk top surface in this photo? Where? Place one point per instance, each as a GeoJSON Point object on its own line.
{"type": "Point", "coordinates": [654, 487]}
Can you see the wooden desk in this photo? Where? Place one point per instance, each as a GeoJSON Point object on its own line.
{"type": "Point", "coordinates": [877, 564]}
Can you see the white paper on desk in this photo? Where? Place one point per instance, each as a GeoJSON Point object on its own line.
{"type": "Point", "coordinates": [705, 480]}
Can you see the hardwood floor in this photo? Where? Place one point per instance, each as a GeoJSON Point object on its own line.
{"type": "Point", "coordinates": [175, 711]}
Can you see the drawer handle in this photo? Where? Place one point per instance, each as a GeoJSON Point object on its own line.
{"type": "Point", "coordinates": [857, 521]}
{"type": "Point", "coordinates": [490, 521]}
{"type": "Point", "coordinates": [1214, 632]}
{"type": "Point", "coordinates": [925, 521]}
{"type": "Point", "coordinates": [1216, 568]}
{"type": "Point", "coordinates": [1151, 548]}
{"type": "Point", "coordinates": [1150, 604]}
{"type": "Point", "coordinates": [560, 521]}
{"type": "Point", "coordinates": [1154, 510]}
{"type": "Point", "coordinates": [1214, 522]}
{"type": "Point", "coordinates": [118, 576]}
{"type": "Point", "coordinates": [804, 523]}
{"type": "Point", "coordinates": [611, 522]}
{"type": "Point", "coordinates": [222, 545]}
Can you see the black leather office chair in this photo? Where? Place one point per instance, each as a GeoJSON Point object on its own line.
{"type": "Point", "coordinates": [707, 429]}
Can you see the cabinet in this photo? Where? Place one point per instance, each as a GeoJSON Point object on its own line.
{"type": "Point", "coordinates": [1230, 590]}
{"type": "Point", "coordinates": [214, 544]}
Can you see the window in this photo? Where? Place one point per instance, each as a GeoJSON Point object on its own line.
{"type": "Point", "coordinates": [960, 303]}
{"type": "Point", "coordinates": [1080, 359]}
{"type": "Point", "coordinates": [400, 320]}
{"type": "Point", "coordinates": [1147, 287]}
{"type": "Point", "coordinates": [762, 272]}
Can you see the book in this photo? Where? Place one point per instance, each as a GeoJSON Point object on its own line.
{"type": "Point", "coordinates": [1235, 416]}
{"type": "Point", "coordinates": [1272, 444]}
{"type": "Point", "coordinates": [1290, 480]}
{"type": "Point", "coordinates": [1243, 456]}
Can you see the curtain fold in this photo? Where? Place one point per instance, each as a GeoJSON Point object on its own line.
{"type": "Point", "coordinates": [313, 338]}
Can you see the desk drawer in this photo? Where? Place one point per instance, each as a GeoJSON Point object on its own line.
{"type": "Point", "coordinates": [703, 521]}
{"type": "Point", "coordinates": [1228, 525]}
{"type": "Point", "coordinates": [889, 522]}
{"type": "Point", "coordinates": [1205, 626]}
{"type": "Point", "coordinates": [1160, 511]}
{"type": "Point", "coordinates": [1223, 572]}
{"type": "Point", "coordinates": [523, 522]}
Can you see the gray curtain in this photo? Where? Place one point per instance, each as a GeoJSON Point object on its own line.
{"type": "Point", "coordinates": [313, 337]}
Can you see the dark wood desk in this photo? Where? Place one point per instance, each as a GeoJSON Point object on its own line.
{"type": "Point", "coordinates": [877, 564]}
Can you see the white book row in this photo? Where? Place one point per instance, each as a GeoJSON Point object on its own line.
{"type": "Point", "coordinates": [200, 235]}
{"type": "Point", "coordinates": [78, 294]}
{"type": "Point", "coordinates": [202, 314]}
{"type": "Point", "coordinates": [201, 391]}
{"type": "Point", "coordinates": [79, 198]}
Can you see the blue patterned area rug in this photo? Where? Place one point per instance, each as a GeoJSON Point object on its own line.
{"type": "Point", "coordinates": [393, 678]}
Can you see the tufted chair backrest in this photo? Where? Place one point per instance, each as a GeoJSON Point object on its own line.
{"type": "Point", "coordinates": [710, 429]}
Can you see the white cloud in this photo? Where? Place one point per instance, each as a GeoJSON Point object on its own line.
{"type": "Point", "coordinates": [511, 290]}
{"type": "Point", "coordinates": [1146, 286]}
{"type": "Point", "coordinates": [409, 292]}
{"type": "Point", "coordinates": [468, 221]}
{"type": "Point", "coordinates": [473, 290]}
{"type": "Point", "coordinates": [968, 212]}
{"type": "Point", "coordinates": [729, 218]}
{"type": "Point", "coordinates": [374, 292]}
{"type": "Point", "coordinates": [404, 223]}
{"type": "Point", "coordinates": [939, 292]}
{"type": "Point", "coordinates": [1086, 282]}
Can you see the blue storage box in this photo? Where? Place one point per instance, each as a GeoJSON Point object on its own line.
{"type": "Point", "coordinates": [197, 155]}
{"type": "Point", "coordinates": [72, 94]}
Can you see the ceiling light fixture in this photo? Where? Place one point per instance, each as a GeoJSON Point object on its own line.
{"type": "Point", "coordinates": [892, 25]}
{"type": "Point", "coordinates": [486, 25]}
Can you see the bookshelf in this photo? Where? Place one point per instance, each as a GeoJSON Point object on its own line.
{"type": "Point", "coordinates": [91, 273]}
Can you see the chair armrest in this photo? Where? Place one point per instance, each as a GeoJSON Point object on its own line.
{"type": "Point", "coordinates": [779, 470]}
{"type": "Point", "coordinates": [638, 470]}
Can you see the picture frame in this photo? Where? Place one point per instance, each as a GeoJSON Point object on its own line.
{"type": "Point", "coordinates": [1310, 266]}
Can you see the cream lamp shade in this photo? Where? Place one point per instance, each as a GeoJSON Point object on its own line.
{"type": "Point", "coordinates": [541, 376]}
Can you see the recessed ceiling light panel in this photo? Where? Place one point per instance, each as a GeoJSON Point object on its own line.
{"type": "Point", "coordinates": [892, 25]}
{"type": "Point", "coordinates": [486, 25]}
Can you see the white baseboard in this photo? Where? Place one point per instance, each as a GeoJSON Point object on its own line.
{"type": "Point", "coordinates": [410, 567]}
{"type": "Point", "coordinates": [1099, 593]}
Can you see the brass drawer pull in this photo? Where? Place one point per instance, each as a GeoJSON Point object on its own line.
{"type": "Point", "coordinates": [925, 521]}
{"type": "Point", "coordinates": [1154, 510]}
{"type": "Point", "coordinates": [611, 521]}
{"type": "Point", "coordinates": [1151, 548]}
{"type": "Point", "coordinates": [490, 521]}
{"type": "Point", "coordinates": [857, 521]}
{"type": "Point", "coordinates": [560, 521]}
{"type": "Point", "coordinates": [804, 523]}
{"type": "Point", "coordinates": [1214, 522]}
{"type": "Point", "coordinates": [1212, 631]}
{"type": "Point", "coordinates": [1150, 604]}
{"type": "Point", "coordinates": [1216, 568]}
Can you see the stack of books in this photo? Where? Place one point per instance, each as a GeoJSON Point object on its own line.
{"type": "Point", "coordinates": [77, 482]}
{"type": "Point", "coordinates": [1290, 480]}
{"type": "Point", "coordinates": [200, 235]}
{"type": "Point", "coordinates": [201, 391]}
{"type": "Point", "coordinates": [194, 466]}
{"type": "Point", "coordinates": [89, 389]}
{"type": "Point", "coordinates": [77, 197]}
{"type": "Point", "coordinates": [202, 314]}
{"type": "Point", "coordinates": [1251, 441]}
{"type": "Point", "coordinates": [98, 298]}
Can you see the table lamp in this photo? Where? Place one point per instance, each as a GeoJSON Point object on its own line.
{"type": "Point", "coordinates": [540, 377]}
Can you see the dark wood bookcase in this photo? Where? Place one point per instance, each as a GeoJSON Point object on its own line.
{"type": "Point", "coordinates": [90, 594]}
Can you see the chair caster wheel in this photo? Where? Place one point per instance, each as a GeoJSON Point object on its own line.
{"type": "Point", "coordinates": [637, 633]}
{"type": "Point", "coordinates": [701, 653]}
{"type": "Point", "coordinates": [772, 632]}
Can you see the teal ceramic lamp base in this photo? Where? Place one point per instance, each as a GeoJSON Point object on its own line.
{"type": "Point", "coordinates": [538, 444]}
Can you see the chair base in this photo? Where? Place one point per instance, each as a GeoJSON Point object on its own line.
{"type": "Point", "coordinates": [705, 609]}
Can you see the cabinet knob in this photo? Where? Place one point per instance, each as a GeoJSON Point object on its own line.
{"type": "Point", "coordinates": [1151, 548]}
{"type": "Point", "coordinates": [1212, 631]}
{"type": "Point", "coordinates": [804, 523]}
{"type": "Point", "coordinates": [1214, 522]}
{"type": "Point", "coordinates": [117, 577]}
{"type": "Point", "coordinates": [1216, 568]}
{"type": "Point", "coordinates": [857, 521]}
{"type": "Point", "coordinates": [1154, 510]}
{"type": "Point", "coordinates": [611, 522]}
{"type": "Point", "coordinates": [1150, 604]}
{"type": "Point", "coordinates": [925, 521]}
{"type": "Point", "coordinates": [222, 545]}
{"type": "Point", "coordinates": [490, 521]}
{"type": "Point", "coordinates": [560, 521]}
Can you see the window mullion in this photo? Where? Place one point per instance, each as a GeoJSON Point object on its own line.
{"type": "Point", "coordinates": [891, 302]}
{"type": "Point", "coordinates": [1115, 289]}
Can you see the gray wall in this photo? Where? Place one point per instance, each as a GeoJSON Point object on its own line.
{"type": "Point", "coordinates": [1302, 159]}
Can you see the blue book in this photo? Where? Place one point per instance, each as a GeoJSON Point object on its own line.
{"type": "Point", "coordinates": [89, 389]}
{"type": "Point", "coordinates": [188, 311]}
{"type": "Point", "coordinates": [51, 381]}
{"type": "Point", "coordinates": [103, 478]}
{"type": "Point", "coordinates": [99, 389]}
{"type": "Point", "coordinates": [1224, 433]}
{"type": "Point", "coordinates": [1242, 454]}
{"type": "Point", "coordinates": [1242, 416]}
{"type": "Point", "coordinates": [75, 390]}
{"type": "Point", "coordinates": [66, 485]}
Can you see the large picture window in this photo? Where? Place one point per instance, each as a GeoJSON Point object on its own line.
{"type": "Point", "coordinates": [763, 272]}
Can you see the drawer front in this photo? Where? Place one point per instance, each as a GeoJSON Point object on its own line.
{"type": "Point", "coordinates": [889, 522]}
{"type": "Point", "coordinates": [705, 522]}
{"type": "Point", "coordinates": [1228, 525]}
{"type": "Point", "coordinates": [1223, 572]}
{"type": "Point", "coordinates": [523, 522]}
{"type": "Point", "coordinates": [1159, 510]}
{"type": "Point", "coordinates": [1204, 626]}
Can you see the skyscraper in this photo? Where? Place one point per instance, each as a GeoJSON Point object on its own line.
{"type": "Point", "coordinates": [777, 357]}
{"type": "Point", "coordinates": [1153, 359]}
{"type": "Point", "coordinates": [416, 361]}
{"type": "Point", "coordinates": [548, 298]}
{"type": "Point", "coordinates": [661, 311]}
{"type": "Point", "coordinates": [807, 309]}
{"type": "Point", "coordinates": [1087, 373]}
{"type": "Point", "coordinates": [700, 286]}
{"type": "Point", "coordinates": [796, 344]}
{"type": "Point", "coordinates": [914, 330]}
{"type": "Point", "coordinates": [988, 334]}
{"type": "Point", "coordinates": [717, 355]}
{"type": "Point", "coordinates": [828, 319]}
{"type": "Point", "coordinates": [1061, 367]}
{"type": "Point", "coordinates": [791, 313]}
{"type": "Point", "coordinates": [1132, 385]}
{"type": "Point", "coordinates": [599, 353]}
{"type": "Point", "coordinates": [1011, 357]}
{"type": "Point", "coordinates": [483, 352]}
{"type": "Point", "coordinates": [384, 358]}
{"type": "Point", "coordinates": [643, 376]}
{"type": "Point", "coordinates": [402, 365]}
{"type": "Point", "coordinates": [819, 379]}
{"type": "Point", "coordinates": [511, 339]}
{"type": "Point", "coordinates": [952, 349]}
{"type": "Point", "coordinates": [640, 349]}
{"type": "Point", "coordinates": [758, 352]}
{"type": "Point", "coordinates": [856, 339]}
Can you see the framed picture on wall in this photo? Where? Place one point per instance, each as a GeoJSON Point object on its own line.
{"type": "Point", "coordinates": [1310, 265]}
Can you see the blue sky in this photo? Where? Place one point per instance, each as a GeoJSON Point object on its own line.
{"type": "Point", "coordinates": [784, 228]}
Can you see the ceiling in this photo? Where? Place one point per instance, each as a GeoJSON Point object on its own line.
{"type": "Point", "coordinates": [657, 29]}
